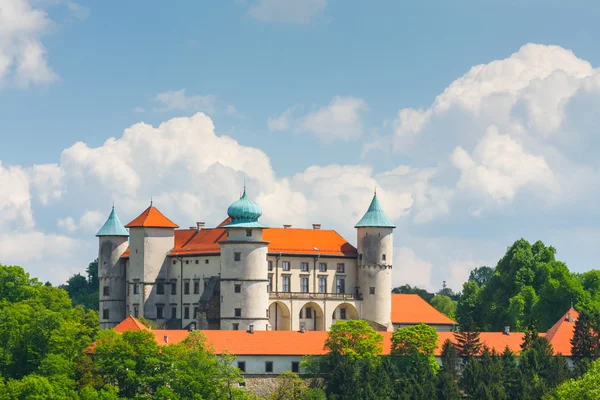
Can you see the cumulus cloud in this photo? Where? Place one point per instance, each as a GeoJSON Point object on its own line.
{"type": "Point", "coordinates": [341, 119]}
{"type": "Point", "coordinates": [287, 11]}
{"type": "Point", "coordinates": [410, 269]}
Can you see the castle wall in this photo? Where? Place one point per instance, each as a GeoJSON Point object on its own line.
{"type": "Point", "coordinates": [111, 275]}
{"type": "Point", "coordinates": [376, 252]}
{"type": "Point", "coordinates": [249, 273]}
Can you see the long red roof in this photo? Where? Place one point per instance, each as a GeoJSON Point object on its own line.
{"type": "Point", "coordinates": [312, 342]}
{"type": "Point", "coordinates": [412, 309]}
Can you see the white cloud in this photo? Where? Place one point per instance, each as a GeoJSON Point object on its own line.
{"type": "Point", "coordinates": [411, 269]}
{"type": "Point", "coordinates": [499, 167]}
{"type": "Point", "coordinates": [341, 119]}
{"type": "Point", "coordinates": [178, 100]}
{"type": "Point", "coordinates": [287, 11]}
{"type": "Point", "coordinates": [91, 221]}
{"type": "Point", "coordinates": [67, 224]}
{"type": "Point", "coordinates": [15, 199]}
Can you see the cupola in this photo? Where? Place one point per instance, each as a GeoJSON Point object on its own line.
{"type": "Point", "coordinates": [375, 216]}
{"type": "Point", "coordinates": [244, 213]}
{"type": "Point", "coordinates": [113, 226]}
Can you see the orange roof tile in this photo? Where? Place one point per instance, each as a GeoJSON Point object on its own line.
{"type": "Point", "coordinates": [412, 309]}
{"type": "Point", "coordinates": [151, 218]}
{"type": "Point", "coordinates": [312, 342]}
{"type": "Point", "coordinates": [562, 331]}
{"type": "Point", "coordinates": [130, 324]}
{"type": "Point", "coordinates": [304, 241]}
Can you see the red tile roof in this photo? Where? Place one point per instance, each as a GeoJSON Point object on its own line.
{"type": "Point", "coordinates": [412, 309]}
{"type": "Point", "coordinates": [151, 218]}
{"type": "Point", "coordinates": [562, 331]}
{"type": "Point", "coordinates": [281, 240]}
{"type": "Point", "coordinates": [312, 342]}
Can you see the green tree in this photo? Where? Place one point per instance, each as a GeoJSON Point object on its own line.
{"type": "Point", "coordinates": [413, 341]}
{"type": "Point", "coordinates": [587, 387]}
{"type": "Point", "coordinates": [85, 290]}
{"type": "Point", "coordinates": [585, 343]}
{"type": "Point", "coordinates": [468, 343]}
{"type": "Point", "coordinates": [446, 383]}
{"type": "Point", "coordinates": [444, 304]}
{"type": "Point", "coordinates": [481, 275]}
{"type": "Point", "coordinates": [354, 339]}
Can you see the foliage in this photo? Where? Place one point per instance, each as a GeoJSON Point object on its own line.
{"type": "Point", "coordinates": [355, 339]}
{"type": "Point", "coordinates": [468, 343]}
{"type": "Point", "coordinates": [481, 275]}
{"type": "Point", "coordinates": [587, 387]}
{"type": "Point", "coordinates": [82, 290]}
{"type": "Point", "coordinates": [407, 289]}
{"type": "Point", "coordinates": [586, 337]}
{"type": "Point", "coordinates": [415, 341]}
{"type": "Point", "coordinates": [291, 387]}
{"type": "Point", "coordinates": [529, 288]}
{"type": "Point", "coordinates": [444, 304]}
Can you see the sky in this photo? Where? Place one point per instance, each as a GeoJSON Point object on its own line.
{"type": "Point", "coordinates": [476, 121]}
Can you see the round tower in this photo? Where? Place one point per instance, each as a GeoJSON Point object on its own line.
{"type": "Point", "coordinates": [244, 280]}
{"type": "Point", "coordinates": [375, 254]}
{"type": "Point", "coordinates": [112, 243]}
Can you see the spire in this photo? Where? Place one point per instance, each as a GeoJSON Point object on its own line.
{"type": "Point", "coordinates": [113, 226]}
{"type": "Point", "coordinates": [375, 216]}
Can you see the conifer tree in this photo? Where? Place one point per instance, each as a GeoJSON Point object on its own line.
{"type": "Point", "coordinates": [585, 343]}
{"type": "Point", "coordinates": [467, 342]}
{"type": "Point", "coordinates": [450, 361]}
{"type": "Point", "coordinates": [510, 373]}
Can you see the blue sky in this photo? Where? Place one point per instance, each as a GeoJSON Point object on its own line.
{"type": "Point", "coordinates": [323, 100]}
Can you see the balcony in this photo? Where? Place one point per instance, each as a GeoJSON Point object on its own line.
{"type": "Point", "coordinates": [314, 296]}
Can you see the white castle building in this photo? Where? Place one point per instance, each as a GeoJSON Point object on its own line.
{"type": "Point", "coordinates": [242, 275]}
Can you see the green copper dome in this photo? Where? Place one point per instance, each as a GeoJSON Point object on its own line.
{"type": "Point", "coordinates": [244, 213]}
{"type": "Point", "coordinates": [375, 216]}
{"type": "Point", "coordinates": [113, 226]}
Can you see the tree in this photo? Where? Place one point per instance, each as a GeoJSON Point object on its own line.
{"type": "Point", "coordinates": [585, 343]}
{"type": "Point", "coordinates": [467, 342]}
{"type": "Point", "coordinates": [444, 304]}
{"type": "Point", "coordinates": [587, 387]}
{"type": "Point", "coordinates": [407, 289]}
{"type": "Point", "coordinates": [414, 341]}
{"type": "Point", "coordinates": [84, 290]}
{"type": "Point", "coordinates": [481, 275]}
{"type": "Point", "coordinates": [291, 387]}
{"type": "Point", "coordinates": [354, 339]}
{"type": "Point", "coordinates": [446, 386]}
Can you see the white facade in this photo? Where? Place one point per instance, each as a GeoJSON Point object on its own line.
{"type": "Point", "coordinates": [111, 275]}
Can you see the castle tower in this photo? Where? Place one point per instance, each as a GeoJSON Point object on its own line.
{"type": "Point", "coordinates": [152, 237]}
{"type": "Point", "coordinates": [244, 296]}
{"type": "Point", "coordinates": [112, 243]}
{"type": "Point", "coordinates": [375, 253]}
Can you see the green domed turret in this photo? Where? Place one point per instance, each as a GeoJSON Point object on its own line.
{"type": "Point", "coordinates": [244, 213]}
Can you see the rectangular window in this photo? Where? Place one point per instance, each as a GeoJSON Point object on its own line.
{"type": "Point", "coordinates": [196, 312]}
{"type": "Point", "coordinates": [268, 366]}
{"type": "Point", "coordinates": [174, 262]}
{"type": "Point", "coordinates": [186, 287]}
{"type": "Point", "coordinates": [322, 284]}
{"type": "Point", "coordinates": [270, 265]}
{"type": "Point", "coordinates": [270, 284]}
{"type": "Point", "coordinates": [136, 311]}
{"type": "Point", "coordinates": [304, 284]}
{"type": "Point", "coordinates": [159, 312]}
{"type": "Point", "coordinates": [187, 261]}
{"type": "Point", "coordinates": [238, 288]}
{"type": "Point", "coordinates": [186, 312]}
{"type": "Point", "coordinates": [106, 290]}
{"type": "Point", "coordinates": [238, 312]}
{"type": "Point", "coordinates": [206, 261]}
{"type": "Point", "coordinates": [304, 266]}
{"type": "Point", "coordinates": [340, 285]}
{"type": "Point", "coordinates": [285, 265]}
{"type": "Point", "coordinates": [322, 267]}
{"type": "Point", "coordinates": [286, 284]}
{"type": "Point", "coordinates": [160, 288]}
{"type": "Point", "coordinates": [248, 232]}
{"type": "Point", "coordinates": [173, 312]}
{"type": "Point", "coordinates": [136, 288]}
{"type": "Point", "coordinates": [174, 287]}
{"type": "Point", "coordinates": [341, 268]}
{"type": "Point", "coordinates": [196, 287]}
{"type": "Point", "coordinates": [236, 327]}
{"type": "Point", "coordinates": [237, 256]}
{"type": "Point", "coordinates": [371, 290]}
{"type": "Point", "coordinates": [342, 313]}
{"type": "Point", "coordinates": [295, 366]}
{"type": "Point", "coordinates": [105, 313]}
{"type": "Point", "coordinates": [197, 261]}
{"type": "Point", "coordinates": [308, 312]}
{"type": "Point", "coordinates": [242, 366]}
{"type": "Point", "coordinates": [383, 257]}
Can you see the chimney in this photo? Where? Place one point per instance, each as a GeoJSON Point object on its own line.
{"type": "Point", "coordinates": [316, 226]}
{"type": "Point", "coordinates": [287, 226]}
{"type": "Point", "coordinates": [166, 339]}
{"type": "Point", "coordinates": [251, 328]}
{"type": "Point", "coordinates": [507, 330]}
{"type": "Point", "coordinates": [200, 225]}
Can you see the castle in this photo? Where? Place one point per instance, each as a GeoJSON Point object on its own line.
{"type": "Point", "coordinates": [242, 275]}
